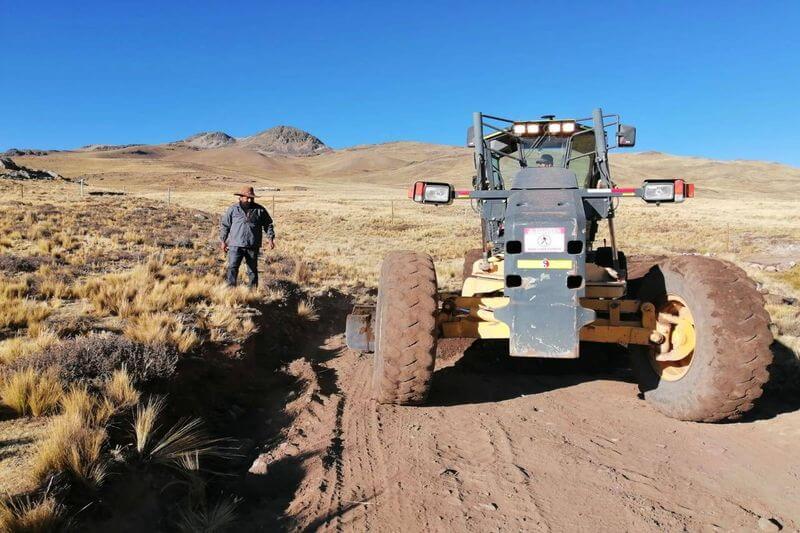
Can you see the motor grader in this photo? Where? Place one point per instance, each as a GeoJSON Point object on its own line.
{"type": "Point", "coordinates": [695, 327]}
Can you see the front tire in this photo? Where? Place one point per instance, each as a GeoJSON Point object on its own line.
{"type": "Point", "coordinates": [718, 364]}
{"type": "Point", "coordinates": [405, 343]}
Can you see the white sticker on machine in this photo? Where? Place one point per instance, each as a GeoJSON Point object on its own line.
{"type": "Point", "coordinates": [546, 240]}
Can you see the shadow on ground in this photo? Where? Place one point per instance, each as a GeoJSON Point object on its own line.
{"type": "Point", "coordinates": [782, 391]}
{"type": "Point", "coordinates": [486, 374]}
{"type": "Point", "coordinates": [261, 427]}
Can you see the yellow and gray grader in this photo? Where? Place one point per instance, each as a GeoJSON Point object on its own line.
{"type": "Point", "coordinates": [695, 327]}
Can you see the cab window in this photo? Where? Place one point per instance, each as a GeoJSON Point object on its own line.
{"type": "Point", "coordinates": [582, 159]}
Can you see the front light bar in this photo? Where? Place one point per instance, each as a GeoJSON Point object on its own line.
{"type": "Point", "coordinates": [534, 129]}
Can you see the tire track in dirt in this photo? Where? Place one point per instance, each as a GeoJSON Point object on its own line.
{"type": "Point", "coordinates": [499, 450]}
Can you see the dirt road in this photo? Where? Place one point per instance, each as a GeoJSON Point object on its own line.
{"type": "Point", "coordinates": [512, 446]}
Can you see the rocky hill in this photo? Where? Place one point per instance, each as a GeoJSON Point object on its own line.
{"type": "Point", "coordinates": [209, 139]}
{"type": "Point", "coordinates": [284, 140]}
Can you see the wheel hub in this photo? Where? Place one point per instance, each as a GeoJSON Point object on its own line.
{"type": "Point", "coordinates": [672, 359]}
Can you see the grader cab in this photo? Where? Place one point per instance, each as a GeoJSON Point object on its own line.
{"type": "Point", "coordinates": [695, 327]}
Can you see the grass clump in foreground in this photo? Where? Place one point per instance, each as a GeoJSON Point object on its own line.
{"type": "Point", "coordinates": [29, 515]}
{"type": "Point", "coordinates": [86, 445]}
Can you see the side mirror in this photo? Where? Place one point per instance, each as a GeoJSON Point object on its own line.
{"type": "Point", "coordinates": [470, 137]}
{"type": "Point", "coordinates": [626, 136]}
{"type": "Point", "coordinates": [667, 191]}
{"type": "Point", "coordinates": [425, 192]}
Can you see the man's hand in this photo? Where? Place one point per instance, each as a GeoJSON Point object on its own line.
{"type": "Point", "coordinates": [224, 246]}
{"type": "Point", "coordinates": [272, 244]}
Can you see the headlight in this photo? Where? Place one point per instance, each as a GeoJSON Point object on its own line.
{"type": "Point", "coordinates": [658, 192]}
{"type": "Point", "coordinates": [554, 127]}
{"type": "Point", "coordinates": [533, 128]}
{"type": "Point", "coordinates": [437, 194]}
{"type": "Point", "coordinates": [519, 129]}
{"type": "Point", "coordinates": [568, 127]}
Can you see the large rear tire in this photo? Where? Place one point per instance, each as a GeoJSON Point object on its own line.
{"type": "Point", "coordinates": [405, 336]}
{"type": "Point", "coordinates": [724, 334]}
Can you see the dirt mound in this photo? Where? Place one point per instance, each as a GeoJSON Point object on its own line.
{"type": "Point", "coordinates": [208, 139]}
{"type": "Point", "coordinates": [285, 140]}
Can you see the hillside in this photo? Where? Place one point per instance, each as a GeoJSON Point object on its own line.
{"type": "Point", "coordinates": [269, 159]}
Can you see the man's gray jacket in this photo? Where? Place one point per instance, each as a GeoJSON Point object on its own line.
{"type": "Point", "coordinates": [242, 228]}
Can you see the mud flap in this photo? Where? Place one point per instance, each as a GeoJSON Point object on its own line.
{"type": "Point", "coordinates": [359, 332]}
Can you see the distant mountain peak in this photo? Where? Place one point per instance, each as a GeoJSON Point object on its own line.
{"type": "Point", "coordinates": [209, 139]}
{"type": "Point", "coordinates": [286, 140]}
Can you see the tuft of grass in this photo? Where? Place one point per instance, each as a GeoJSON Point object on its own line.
{"type": "Point", "coordinates": [20, 312]}
{"type": "Point", "coordinates": [76, 442]}
{"type": "Point", "coordinates": [119, 389]}
{"type": "Point", "coordinates": [229, 319]}
{"type": "Point", "coordinates": [144, 423]}
{"type": "Point", "coordinates": [181, 445]}
{"type": "Point", "coordinates": [162, 328]}
{"type": "Point", "coordinates": [302, 273]}
{"type": "Point", "coordinates": [21, 347]}
{"type": "Point", "coordinates": [792, 277]}
{"type": "Point", "coordinates": [29, 392]}
{"type": "Point", "coordinates": [28, 516]}
{"type": "Point", "coordinates": [79, 403]}
{"type": "Point", "coordinates": [307, 310]}
{"type": "Point", "coordinates": [218, 517]}
{"type": "Point", "coordinates": [19, 288]}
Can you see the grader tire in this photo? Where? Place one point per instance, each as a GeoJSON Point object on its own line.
{"type": "Point", "coordinates": [469, 259]}
{"type": "Point", "coordinates": [728, 366]}
{"type": "Point", "coordinates": [406, 336]}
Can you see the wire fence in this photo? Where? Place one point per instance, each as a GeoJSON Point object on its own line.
{"type": "Point", "coordinates": [395, 208]}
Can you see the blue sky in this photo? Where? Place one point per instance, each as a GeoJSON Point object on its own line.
{"type": "Point", "coordinates": [718, 79]}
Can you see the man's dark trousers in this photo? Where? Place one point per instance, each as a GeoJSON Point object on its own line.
{"type": "Point", "coordinates": [235, 256]}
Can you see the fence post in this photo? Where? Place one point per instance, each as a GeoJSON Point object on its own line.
{"type": "Point", "coordinates": [81, 187]}
{"type": "Point", "coordinates": [169, 196]}
{"type": "Point", "coordinates": [21, 191]}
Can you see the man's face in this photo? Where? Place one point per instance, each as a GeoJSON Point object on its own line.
{"type": "Point", "coordinates": [246, 201]}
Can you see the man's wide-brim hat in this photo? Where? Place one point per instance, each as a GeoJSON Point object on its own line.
{"type": "Point", "coordinates": [246, 191]}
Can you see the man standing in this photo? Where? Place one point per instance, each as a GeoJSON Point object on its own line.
{"type": "Point", "coordinates": [240, 235]}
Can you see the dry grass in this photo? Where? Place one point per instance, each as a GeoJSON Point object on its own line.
{"type": "Point", "coordinates": [119, 390]}
{"type": "Point", "coordinates": [218, 517]}
{"type": "Point", "coordinates": [181, 445]}
{"type": "Point", "coordinates": [307, 310]}
{"type": "Point", "coordinates": [28, 392]}
{"type": "Point", "coordinates": [162, 328]}
{"type": "Point", "coordinates": [77, 439]}
{"type": "Point", "coordinates": [30, 516]}
{"type": "Point", "coordinates": [792, 277]}
{"type": "Point", "coordinates": [222, 320]}
{"type": "Point", "coordinates": [25, 346]}
{"type": "Point", "coordinates": [16, 313]}
{"type": "Point", "coordinates": [144, 423]}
